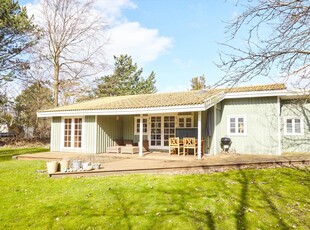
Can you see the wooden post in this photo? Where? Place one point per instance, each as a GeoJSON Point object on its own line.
{"type": "Point", "coordinates": [199, 135]}
{"type": "Point", "coordinates": [141, 136]}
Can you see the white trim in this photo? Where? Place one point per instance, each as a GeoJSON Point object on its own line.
{"type": "Point", "coordinates": [199, 136]}
{"type": "Point", "coordinates": [141, 136]}
{"type": "Point", "coordinates": [215, 132]}
{"type": "Point", "coordinates": [136, 118]}
{"type": "Point", "coordinates": [279, 152]}
{"type": "Point", "coordinates": [96, 133]}
{"type": "Point", "coordinates": [270, 93]}
{"type": "Point", "coordinates": [293, 128]}
{"type": "Point", "coordinates": [236, 127]}
{"type": "Point", "coordinates": [135, 111]}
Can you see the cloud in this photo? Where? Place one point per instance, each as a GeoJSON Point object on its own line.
{"type": "Point", "coordinates": [143, 44]}
{"type": "Point", "coordinates": [124, 36]}
{"type": "Point", "coordinates": [112, 9]}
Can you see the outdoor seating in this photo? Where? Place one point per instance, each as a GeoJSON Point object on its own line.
{"type": "Point", "coordinates": [174, 145]}
{"type": "Point", "coordinates": [189, 143]}
{"type": "Point", "coordinates": [116, 148]}
{"type": "Point", "coordinates": [129, 148]}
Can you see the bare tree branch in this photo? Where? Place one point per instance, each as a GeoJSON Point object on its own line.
{"type": "Point", "coordinates": [277, 43]}
{"type": "Point", "coordinates": [73, 42]}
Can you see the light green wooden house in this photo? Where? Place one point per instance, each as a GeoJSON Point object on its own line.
{"type": "Point", "coordinates": [265, 119]}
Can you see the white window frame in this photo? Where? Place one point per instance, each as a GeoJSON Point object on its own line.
{"type": "Point", "coordinates": [137, 123]}
{"type": "Point", "coordinates": [184, 117]}
{"type": "Point", "coordinates": [293, 133]}
{"type": "Point", "coordinates": [72, 137]}
{"type": "Point", "coordinates": [236, 117]}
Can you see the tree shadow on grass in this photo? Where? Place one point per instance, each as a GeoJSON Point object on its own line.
{"type": "Point", "coordinates": [240, 213]}
{"type": "Point", "coordinates": [272, 206]}
{"type": "Point", "coordinates": [242, 222]}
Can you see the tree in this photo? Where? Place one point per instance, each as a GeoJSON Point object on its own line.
{"type": "Point", "coordinates": [17, 34]}
{"type": "Point", "coordinates": [32, 99]}
{"type": "Point", "coordinates": [125, 80]}
{"type": "Point", "coordinates": [5, 113]}
{"type": "Point", "coordinates": [277, 42]}
{"type": "Point", "coordinates": [71, 30]}
{"type": "Point", "coordinates": [198, 83]}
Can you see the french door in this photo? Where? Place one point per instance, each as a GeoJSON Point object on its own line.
{"type": "Point", "coordinates": [72, 133]}
{"type": "Point", "coordinates": [162, 127]}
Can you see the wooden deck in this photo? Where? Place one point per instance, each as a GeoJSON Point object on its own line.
{"type": "Point", "coordinates": [117, 164]}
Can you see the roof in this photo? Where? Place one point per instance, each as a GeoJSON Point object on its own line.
{"type": "Point", "coordinates": [174, 99]}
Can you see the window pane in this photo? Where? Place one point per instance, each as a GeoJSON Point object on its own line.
{"type": "Point", "coordinates": [240, 125]}
{"type": "Point", "coordinates": [289, 126]}
{"type": "Point", "coordinates": [232, 125]}
{"type": "Point", "coordinates": [297, 126]}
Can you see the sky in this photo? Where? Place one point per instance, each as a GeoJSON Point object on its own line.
{"type": "Point", "coordinates": [177, 39]}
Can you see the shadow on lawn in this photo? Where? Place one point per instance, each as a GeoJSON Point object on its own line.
{"type": "Point", "coordinates": [242, 222]}
{"type": "Point", "coordinates": [240, 214]}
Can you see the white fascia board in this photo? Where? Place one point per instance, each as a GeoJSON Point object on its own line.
{"type": "Point", "coordinates": [257, 94]}
{"type": "Point", "coordinates": [176, 109]}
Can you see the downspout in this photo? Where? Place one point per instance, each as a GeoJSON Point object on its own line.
{"type": "Point", "coordinates": [279, 150]}
{"type": "Point", "coordinates": [199, 135]}
{"type": "Point", "coordinates": [141, 136]}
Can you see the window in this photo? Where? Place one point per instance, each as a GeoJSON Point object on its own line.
{"type": "Point", "coordinates": [293, 126]}
{"type": "Point", "coordinates": [185, 121]}
{"type": "Point", "coordinates": [237, 125]}
{"type": "Point", "coordinates": [137, 126]}
{"type": "Point", "coordinates": [169, 128]}
{"type": "Point", "coordinates": [72, 133]}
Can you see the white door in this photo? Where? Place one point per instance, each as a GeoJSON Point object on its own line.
{"type": "Point", "coordinates": [72, 133]}
{"type": "Point", "coordinates": [162, 128]}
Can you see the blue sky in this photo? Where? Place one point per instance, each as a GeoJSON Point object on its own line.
{"type": "Point", "coordinates": [177, 39]}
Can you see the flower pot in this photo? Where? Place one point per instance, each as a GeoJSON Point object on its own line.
{"type": "Point", "coordinates": [64, 165]}
{"type": "Point", "coordinates": [76, 165]}
{"type": "Point", "coordinates": [85, 165]}
{"type": "Point", "coordinates": [96, 165]}
{"type": "Point", "coordinates": [52, 167]}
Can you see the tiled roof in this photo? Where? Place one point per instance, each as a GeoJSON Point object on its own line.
{"type": "Point", "coordinates": [195, 97]}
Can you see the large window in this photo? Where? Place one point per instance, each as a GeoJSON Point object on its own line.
{"type": "Point", "coordinates": [293, 126]}
{"type": "Point", "coordinates": [237, 125]}
{"type": "Point", "coordinates": [72, 133]}
{"type": "Point", "coordinates": [137, 126]}
{"type": "Point", "coordinates": [185, 121]}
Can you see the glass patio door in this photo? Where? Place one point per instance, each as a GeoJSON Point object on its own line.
{"type": "Point", "coordinates": [162, 127]}
{"type": "Point", "coordinates": [156, 131]}
{"type": "Point", "coordinates": [169, 128]}
{"type": "Point", "coordinates": [73, 132]}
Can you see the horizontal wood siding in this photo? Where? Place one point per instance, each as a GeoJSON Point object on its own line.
{"type": "Point", "coordinates": [109, 128]}
{"type": "Point", "coordinates": [90, 135]}
{"type": "Point", "coordinates": [296, 143]}
{"type": "Point", "coordinates": [261, 121]}
{"type": "Point", "coordinates": [56, 134]}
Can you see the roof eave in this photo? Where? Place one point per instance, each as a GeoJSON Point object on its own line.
{"type": "Point", "coordinates": [155, 110]}
{"type": "Point", "coordinates": [256, 94]}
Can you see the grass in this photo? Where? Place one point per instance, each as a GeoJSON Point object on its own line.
{"type": "Point", "coordinates": [7, 153]}
{"type": "Point", "coordinates": [245, 199]}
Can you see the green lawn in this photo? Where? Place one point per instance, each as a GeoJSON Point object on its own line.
{"type": "Point", "coordinates": [7, 153]}
{"type": "Point", "coordinates": [245, 199]}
